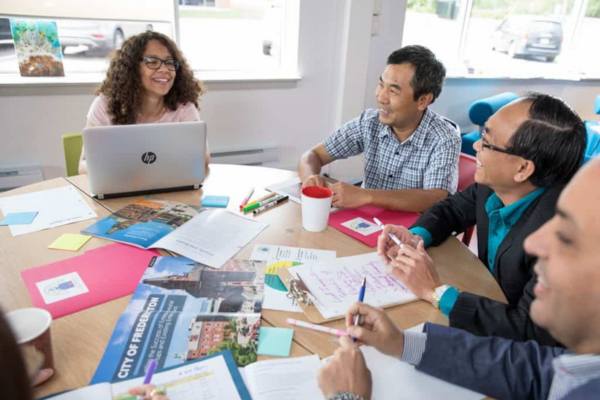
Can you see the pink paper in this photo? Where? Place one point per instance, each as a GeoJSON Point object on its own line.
{"type": "Point", "coordinates": [368, 212]}
{"type": "Point", "coordinates": [108, 272]}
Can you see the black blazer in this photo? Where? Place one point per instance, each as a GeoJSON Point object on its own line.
{"type": "Point", "coordinates": [496, 367]}
{"type": "Point", "coordinates": [513, 268]}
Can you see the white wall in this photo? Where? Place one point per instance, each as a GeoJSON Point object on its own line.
{"type": "Point", "coordinates": [296, 116]}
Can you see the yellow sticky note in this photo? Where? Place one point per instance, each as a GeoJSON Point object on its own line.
{"type": "Point", "coordinates": [70, 241]}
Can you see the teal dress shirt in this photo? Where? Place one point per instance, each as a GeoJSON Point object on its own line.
{"type": "Point", "coordinates": [502, 219]}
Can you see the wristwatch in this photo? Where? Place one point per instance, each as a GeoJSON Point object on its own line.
{"type": "Point", "coordinates": [438, 292]}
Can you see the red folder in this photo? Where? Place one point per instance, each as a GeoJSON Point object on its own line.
{"type": "Point", "coordinates": [368, 212]}
{"type": "Point", "coordinates": [108, 272]}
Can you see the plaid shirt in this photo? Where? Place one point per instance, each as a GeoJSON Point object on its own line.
{"type": "Point", "coordinates": [428, 159]}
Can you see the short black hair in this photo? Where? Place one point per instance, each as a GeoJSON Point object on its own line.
{"type": "Point", "coordinates": [553, 138]}
{"type": "Point", "coordinates": [429, 71]}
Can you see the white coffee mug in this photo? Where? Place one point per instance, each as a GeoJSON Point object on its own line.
{"type": "Point", "coordinates": [31, 326]}
{"type": "Point", "coordinates": [316, 203]}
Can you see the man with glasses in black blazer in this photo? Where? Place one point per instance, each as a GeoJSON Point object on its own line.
{"type": "Point", "coordinates": [528, 151]}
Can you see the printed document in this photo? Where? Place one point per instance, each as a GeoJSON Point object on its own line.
{"type": "Point", "coordinates": [207, 236]}
{"type": "Point", "coordinates": [55, 207]}
{"type": "Point", "coordinates": [284, 379]}
{"type": "Point", "coordinates": [214, 377]}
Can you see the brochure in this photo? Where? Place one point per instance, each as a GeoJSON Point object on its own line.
{"type": "Point", "coordinates": [183, 311]}
{"type": "Point", "coordinates": [207, 236]}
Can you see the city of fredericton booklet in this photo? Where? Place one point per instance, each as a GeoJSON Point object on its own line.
{"type": "Point", "coordinates": [207, 236]}
{"type": "Point", "coordinates": [182, 311]}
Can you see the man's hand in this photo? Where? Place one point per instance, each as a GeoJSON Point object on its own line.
{"type": "Point", "coordinates": [385, 245]}
{"type": "Point", "coordinates": [347, 195]}
{"type": "Point", "coordinates": [313, 180]}
{"type": "Point", "coordinates": [346, 372]}
{"type": "Point", "coordinates": [376, 329]}
{"type": "Point", "coordinates": [416, 270]}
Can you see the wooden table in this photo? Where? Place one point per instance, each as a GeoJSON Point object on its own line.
{"type": "Point", "coordinates": [80, 339]}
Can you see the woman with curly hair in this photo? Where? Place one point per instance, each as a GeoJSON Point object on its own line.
{"type": "Point", "coordinates": [148, 81]}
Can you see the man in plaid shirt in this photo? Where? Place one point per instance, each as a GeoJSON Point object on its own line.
{"type": "Point", "coordinates": [411, 153]}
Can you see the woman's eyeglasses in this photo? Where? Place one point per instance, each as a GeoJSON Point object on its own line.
{"type": "Point", "coordinates": [156, 63]}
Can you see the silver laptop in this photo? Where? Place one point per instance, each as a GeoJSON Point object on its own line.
{"type": "Point", "coordinates": [127, 160]}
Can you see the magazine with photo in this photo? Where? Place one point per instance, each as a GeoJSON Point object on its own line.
{"type": "Point", "coordinates": [183, 311]}
{"type": "Point", "coordinates": [207, 236]}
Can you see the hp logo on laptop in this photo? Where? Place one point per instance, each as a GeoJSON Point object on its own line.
{"type": "Point", "coordinates": [148, 157]}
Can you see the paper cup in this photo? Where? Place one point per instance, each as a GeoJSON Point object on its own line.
{"type": "Point", "coordinates": [316, 203]}
{"type": "Point", "coordinates": [31, 327]}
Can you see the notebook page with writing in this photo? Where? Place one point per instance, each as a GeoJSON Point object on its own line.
{"type": "Point", "coordinates": [213, 377]}
{"type": "Point", "coordinates": [335, 284]}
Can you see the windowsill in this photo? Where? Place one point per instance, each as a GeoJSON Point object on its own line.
{"type": "Point", "coordinates": [94, 79]}
{"type": "Point", "coordinates": [564, 77]}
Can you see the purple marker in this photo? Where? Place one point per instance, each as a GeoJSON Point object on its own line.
{"type": "Point", "coordinates": [148, 377]}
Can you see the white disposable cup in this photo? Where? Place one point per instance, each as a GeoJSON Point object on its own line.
{"type": "Point", "coordinates": [31, 326]}
{"type": "Point", "coordinates": [316, 203]}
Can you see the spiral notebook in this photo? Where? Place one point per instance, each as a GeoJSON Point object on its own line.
{"type": "Point", "coordinates": [333, 286]}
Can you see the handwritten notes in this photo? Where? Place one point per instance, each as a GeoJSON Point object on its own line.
{"type": "Point", "coordinates": [335, 284]}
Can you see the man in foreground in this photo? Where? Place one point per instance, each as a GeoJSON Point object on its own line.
{"type": "Point", "coordinates": [566, 304]}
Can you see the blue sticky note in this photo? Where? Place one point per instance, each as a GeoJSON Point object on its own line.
{"type": "Point", "coordinates": [275, 341]}
{"type": "Point", "coordinates": [215, 201]}
{"type": "Point", "coordinates": [20, 218]}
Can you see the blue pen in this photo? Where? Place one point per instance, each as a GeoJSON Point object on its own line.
{"type": "Point", "coordinates": [148, 377]}
{"type": "Point", "coordinates": [361, 298]}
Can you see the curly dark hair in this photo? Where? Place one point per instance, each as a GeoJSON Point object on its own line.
{"type": "Point", "coordinates": [123, 85]}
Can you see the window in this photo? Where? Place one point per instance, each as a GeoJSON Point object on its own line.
{"type": "Point", "coordinates": [237, 36]}
{"type": "Point", "coordinates": [86, 44]}
{"type": "Point", "coordinates": [508, 38]}
{"type": "Point", "coordinates": [231, 36]}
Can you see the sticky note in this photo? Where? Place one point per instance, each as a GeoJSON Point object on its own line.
{"type": "Point", "coordinates": [215, 201]}
{"type": "Point", "coordinates": [275, 341]}
{"type": "Point", "coordinates": [70, 241]}
{"type": "Point", "coordinates": [19, 218]}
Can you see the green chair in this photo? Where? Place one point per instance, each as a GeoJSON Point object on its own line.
{"type": "Point", "coordinates": [72, 145]}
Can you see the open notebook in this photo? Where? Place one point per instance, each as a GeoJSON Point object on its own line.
{"type": "Point", "coordinates": [212, 377]}
{"type": "Point", "coordinates": [334, 285]}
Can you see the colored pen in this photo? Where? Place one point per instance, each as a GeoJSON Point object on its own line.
{"type": "Point", "coordinates": [391, 235]}
{"type": "Point", "coordinates": [261, 203]}
{"type": "Point", "coordinates": [271, 204]}
{"type": "Point", "coordinates": [148, 377]}
{"type": "Point", "coordinates": [266, 197]}
{"type": "Point", "coordinates": [361, 298]}
{"type": "Point", "coordinates": [302, 324]}
{"type": "Point", "coordinates": [247, 198]}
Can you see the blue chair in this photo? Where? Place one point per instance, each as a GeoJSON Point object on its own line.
{"type": "Point", "coordinates": [593, 134]}
{"type": "Point", "coordinates": [479, 112]}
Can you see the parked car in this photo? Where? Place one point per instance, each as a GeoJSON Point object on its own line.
{"type": "Point", "coordinates": [98, 37]}
{"type": "Point", "coordinates": [525, 35]}
{"type": "Point", "coordinates": [6, 39]}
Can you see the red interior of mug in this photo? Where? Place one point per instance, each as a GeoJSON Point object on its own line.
{"type": "Point", "coordinates": [317, 192]}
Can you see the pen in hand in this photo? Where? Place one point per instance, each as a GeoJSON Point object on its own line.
{"type": "Point", "coordinates": [390, 235]}
{"type": "Point", "coordinates": [148, 377]}
{"type": "Point", "coordinates": [361, 297]}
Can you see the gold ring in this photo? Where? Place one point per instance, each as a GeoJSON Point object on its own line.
{"type": "Point", "coordinates": [158, 390]}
